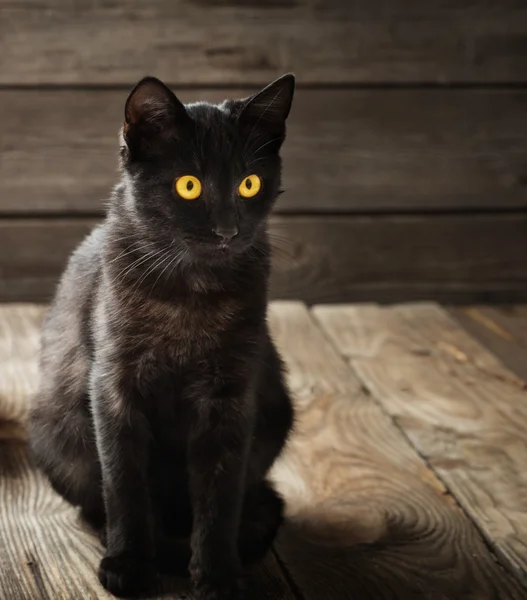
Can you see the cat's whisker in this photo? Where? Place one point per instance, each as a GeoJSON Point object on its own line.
{"type": "Point", "coordinates": [251, 141]}
{"type": "Point", "coordinates": [127, 251]}
{"type": "Point", "coordinates": [143, 258]}
{"type": "Point", "coordinates": [182, 252]}
{"type": "Point", "coordinates": [275, 139]}
{"type": "Point", "coordinates": [283, 244]}
{"type": "Point", "coordinates": [285, 260]}
{"type": "Point", "coordinates": [181, 359]}
{"type": "Point", "coordinates": [122, 274]}
{"type": "Point", "coordinates": [158, 260]}
{"type": "Point", "coordinates": [262, 114]}
{"type": "Point", "coordinates": [120, 239]}
{"type": "Point", "coordinates": [255, 160]}
{"type": "Point", "coordinates": [275, 236]}
{"type": "Point", "coordinates": [173, 260]}
{"type": "Point", "coordinates": [282, 249]}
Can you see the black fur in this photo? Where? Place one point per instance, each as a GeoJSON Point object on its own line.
{"type": "Point", "coordinates": [162, 403]}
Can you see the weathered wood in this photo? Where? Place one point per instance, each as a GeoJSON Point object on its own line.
{"type": "Point", "coordinates": [324, 259]}
{"type": "Point", "coordinates": [347, 150]}
{"type": "Point", "coordinates": [461, 409]}
{"type": "Point", "coordinates": [351, 259]}
{"type": "Point", "coordinates": [33, 254]}
{"type": "Point", "coordinates": [19, 343]}
{"type": "Point", "coordinates": [45, 552]}
{"type": "Point", "coordinates": [366, 518]}
{"type": "Point", "coordinates": [501, 329]}
{"type": "Point", "coordinates": [226, 41]}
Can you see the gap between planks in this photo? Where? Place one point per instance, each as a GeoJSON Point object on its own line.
{"type": "Point", "coordinates": [366, 518]}
{"type": "Point", "coordinates": [217, 42]}
{"type": "Point", "coordinates": [45, 553]}
{"type": "Point", "coordinates": [463, 411]}
{"type": "Point", "coordinates": [322, 259]}
{"type": "Point", "coordinates": [413, 151]}
{"type": "Point", "coordinates": [502, 329]}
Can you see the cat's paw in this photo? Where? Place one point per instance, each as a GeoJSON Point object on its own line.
{"type": "Point", "coordinates": [173, 556]}
{"type": "Point", "coordinates": [217, 579]}
{"type": "Point", "coordinates": [125, 576]}
{"type": "Point", "coordinates": [231, 589]}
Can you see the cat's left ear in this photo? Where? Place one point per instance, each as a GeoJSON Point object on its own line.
{"type": "Point", "coordinates": [152, 111]}
{"type": "Point", "coordinates": [270, 107]}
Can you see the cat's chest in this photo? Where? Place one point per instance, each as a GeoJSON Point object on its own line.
{"type": "Point", "coordinates": [182, 333]}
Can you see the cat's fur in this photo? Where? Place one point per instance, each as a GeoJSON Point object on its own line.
{"type": "Point", "coordinates": [162, 403]}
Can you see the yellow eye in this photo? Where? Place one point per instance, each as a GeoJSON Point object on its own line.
{"type": "Point", "coordinates": [188, 187]}
{"type": "Point", "coordinates": [250, 186]}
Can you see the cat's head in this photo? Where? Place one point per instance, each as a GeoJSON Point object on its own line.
{"type": "Point", "coordinates": [204, 177]}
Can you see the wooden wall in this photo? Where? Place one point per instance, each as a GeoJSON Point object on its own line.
{"type": "Point", "coordinates": [406, 162]}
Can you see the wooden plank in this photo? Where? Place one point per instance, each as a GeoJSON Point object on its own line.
{"type": "Point", "coordinates": [347, 150]}
{"type": "Point", "coordinates": [324, 259]}
{"type": "Point", "coordinates": [19, 343]}
{"type": "Point", "coordinates": [366, 518]}
{"type": "Point", "coordinates": [33, 254]}
{"type": "Point", "coordinates": [350, 259]}
{"type": "Point", "coordinates": [224, 41]}
{"type": "Point", "coordinates": [45, 553]}
{"type": "Point", "coordinates": [463, 411]}
{"type": "Point", "coordinates": [501, 329]}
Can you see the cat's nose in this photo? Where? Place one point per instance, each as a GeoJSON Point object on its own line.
{"type": "Point", "coordinates": [226, 233]}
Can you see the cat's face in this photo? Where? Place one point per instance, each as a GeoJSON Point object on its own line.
{"type": "Point", "coordinates": [203, 178]}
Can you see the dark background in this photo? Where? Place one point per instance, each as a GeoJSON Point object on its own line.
{"type": "Point", "coordinates": [405, 165]}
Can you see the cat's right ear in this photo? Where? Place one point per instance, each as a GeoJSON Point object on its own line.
{"type": "Point", "coordinates": [152, 111]}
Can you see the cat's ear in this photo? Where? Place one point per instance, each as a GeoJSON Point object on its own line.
{"type": "Point", "coordinates": [152, 110]}
{"type": "Point", "coordinates": [270, 107]}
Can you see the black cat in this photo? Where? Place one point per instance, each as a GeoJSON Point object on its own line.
{"type": "Point", "coordinates": [162, 403]}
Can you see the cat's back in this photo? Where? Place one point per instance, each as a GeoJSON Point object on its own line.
{"type": "Point", "coordinates": [60, 429]}
{"type": "Point", "coordinates": [65, 340]}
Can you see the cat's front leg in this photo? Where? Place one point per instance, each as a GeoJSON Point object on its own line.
{"type": "Point", "coordinates": [122, 445]}
{"type": "Point", "coordinates": [218, 454]}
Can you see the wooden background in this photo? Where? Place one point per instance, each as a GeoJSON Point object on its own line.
{"type": "Point", "coordinates": [406, 162]}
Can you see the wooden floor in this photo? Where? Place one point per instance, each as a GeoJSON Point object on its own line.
{"type": "Point", "coordinates": [406, 477]}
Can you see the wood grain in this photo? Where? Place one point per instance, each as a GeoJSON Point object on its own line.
{"type": "Point", "coordinates": [460, 407]}
{"type": "Point", "coordinates": [45, 552]}
{"type": "Point", "coordinates": [324, 259]}
{"type": "Point", "coordinates": [33, 254]}
{"type": "Point", "coordinates": [347, 150]}
{"type": "Point", "coordinates": [19, 343]}
{"type": "Point", "coordinates": [366, 518]}
{"type": "Point", "coordinates": [241, 42]}
{"type": "Point", "coordinates": [502, 329]}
